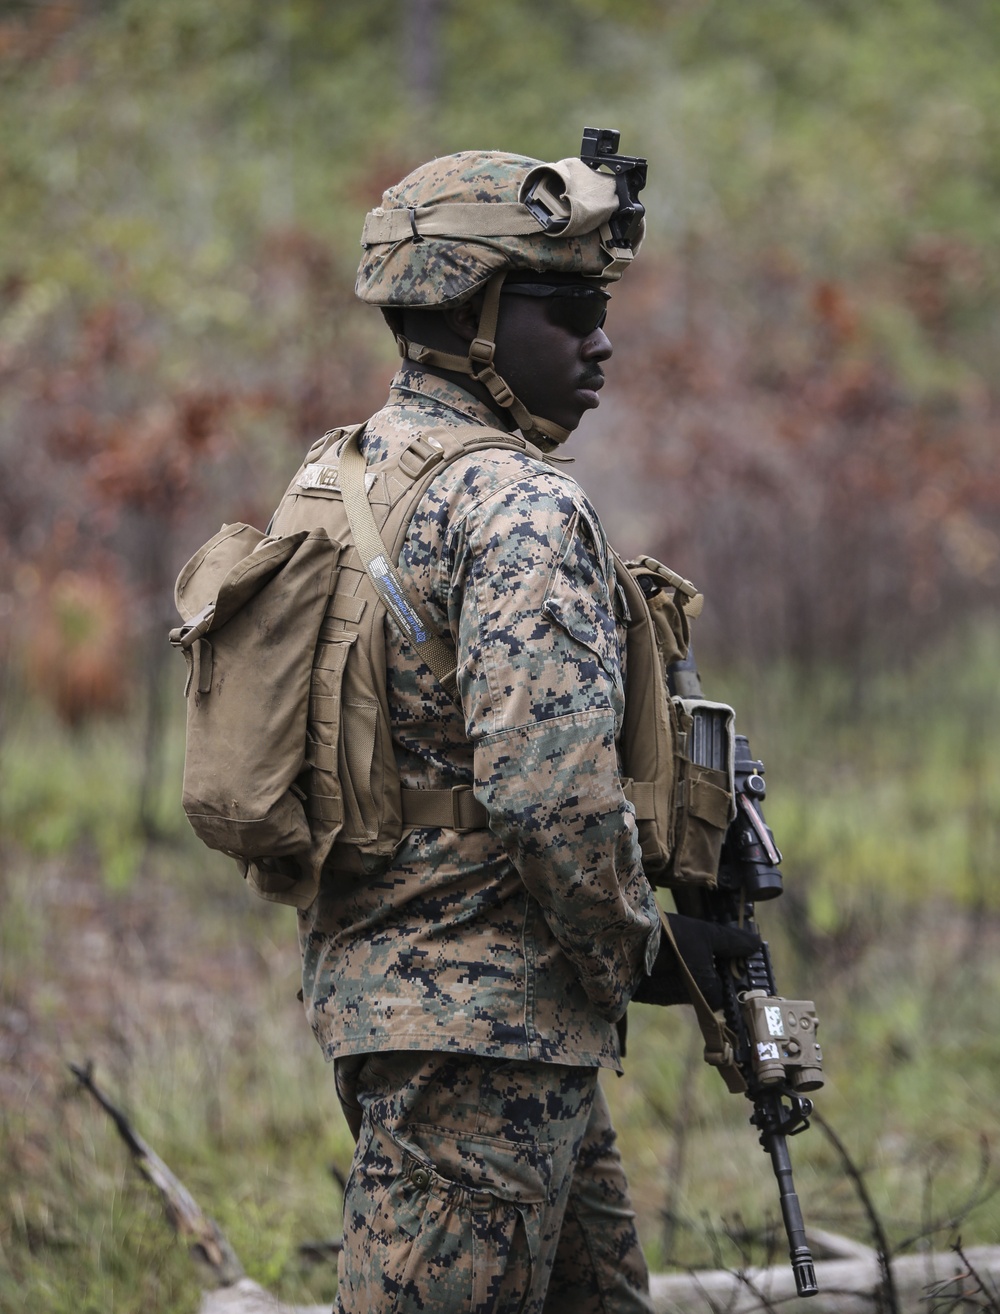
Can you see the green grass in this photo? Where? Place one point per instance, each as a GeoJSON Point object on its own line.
{"type": "Point", "coordinates": [182, 988]}
{"type": "Point", "coordinates": [183, 991]}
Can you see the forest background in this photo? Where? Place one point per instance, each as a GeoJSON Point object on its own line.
{"type": "Point", "coordinates": [801, 415]}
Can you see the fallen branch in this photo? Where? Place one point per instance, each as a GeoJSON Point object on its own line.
{"type": "Point", "coordinates": [211, 1252]}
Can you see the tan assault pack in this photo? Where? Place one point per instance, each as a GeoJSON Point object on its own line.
{"type": "Point", "coordinates": [289, 763]}
{"type": "Point", "coordinates": [288, 752]}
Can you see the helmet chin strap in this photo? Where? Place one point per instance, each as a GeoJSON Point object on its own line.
{"type": "Point", "coordinates": [479, 364]}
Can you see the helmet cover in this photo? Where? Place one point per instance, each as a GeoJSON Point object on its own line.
{"type": "Point", "coordinates": [435, 239]}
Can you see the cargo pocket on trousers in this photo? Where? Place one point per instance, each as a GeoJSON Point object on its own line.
{"type": "Point", "coordinates": [437, 1220]}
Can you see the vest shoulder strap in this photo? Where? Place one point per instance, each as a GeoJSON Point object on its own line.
{"type": "Point", "coordinates": [407, 614]}
{"type": "Point", "coordinates": [419, 462]}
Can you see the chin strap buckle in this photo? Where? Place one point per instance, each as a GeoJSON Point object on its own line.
{"type": "Point", "coordinates": [481, 351]}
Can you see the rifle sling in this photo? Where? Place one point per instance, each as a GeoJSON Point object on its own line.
{"type": "Point", "coordinates": [719, 1040]}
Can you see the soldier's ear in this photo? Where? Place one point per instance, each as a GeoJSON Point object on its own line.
{"type": "Point", "coordinates": [463, 320]}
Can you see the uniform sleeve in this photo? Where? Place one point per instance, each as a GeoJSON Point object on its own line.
{"type": "Point", "coordinates": [541, 684]}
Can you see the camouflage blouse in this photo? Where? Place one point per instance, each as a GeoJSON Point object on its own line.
{"type": "Point", "coordinates": [524, 941]}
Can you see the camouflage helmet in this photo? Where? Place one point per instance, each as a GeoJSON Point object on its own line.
{"type": "Point", "coordinates": [463, 222]}
{"type": "Point", "coordinates": [441, 233]}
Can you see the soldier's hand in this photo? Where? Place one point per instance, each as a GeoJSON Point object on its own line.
{"type": "Point", "coordinates": [700, 944]}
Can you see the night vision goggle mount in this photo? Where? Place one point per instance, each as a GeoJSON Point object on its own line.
{"type": "Point", "coordinates": [599, 151]}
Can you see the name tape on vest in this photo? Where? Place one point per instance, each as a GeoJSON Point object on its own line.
{"type": "Point", "coordinates": [321, 475]}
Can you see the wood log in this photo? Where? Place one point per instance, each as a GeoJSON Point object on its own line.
{"type": "Point", "coordinates": [247, 1297]}
{"type": "Point", "coordinates": [831, 1245]}
{"type": "Point", "coordinates": [846, 1286]}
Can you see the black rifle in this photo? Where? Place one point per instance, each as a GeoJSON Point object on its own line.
{"type": "Point", "coordinates": [773, 1040]}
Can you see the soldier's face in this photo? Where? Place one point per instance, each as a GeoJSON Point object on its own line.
{"type": "Point", "coordinates": [550, 356]}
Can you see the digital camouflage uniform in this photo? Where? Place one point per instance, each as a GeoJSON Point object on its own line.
{"type": "Point", "coordinates": [468, 987]}
{"type": "Point", "coordinates": [520, 944]}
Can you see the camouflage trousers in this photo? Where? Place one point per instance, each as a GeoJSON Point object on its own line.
{"type": "Point", "coordinates": [481, 1186]}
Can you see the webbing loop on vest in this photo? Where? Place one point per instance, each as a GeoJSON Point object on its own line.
{"type": "Point", "coordinates": [641, 794]}
{"type": "Point", "coordinates": [455, 809]}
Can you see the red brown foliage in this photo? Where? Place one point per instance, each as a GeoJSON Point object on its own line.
{"type": "Point", "coordinates": [75, 647]}
{"type": "Point", "coordinates": [779, 459]}
{"type": "Point", "coordinates": [754, 436]}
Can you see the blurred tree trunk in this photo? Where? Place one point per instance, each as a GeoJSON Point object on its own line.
{"type": "Point", "coordinates": [151, 553]}
{"type": "Point", "coordinates": [423, 41]}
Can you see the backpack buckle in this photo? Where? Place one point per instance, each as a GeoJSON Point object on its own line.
{"type": "Point", "coordinates": [419, 456]}
{"type": "Point", "coordinates": [192, 630]}
{"type": "Point", "coordinates": [467, 813]}
{"type": "Point", "coordinates": [481, 350]}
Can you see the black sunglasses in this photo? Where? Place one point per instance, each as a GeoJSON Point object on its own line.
{"type": "Point", "coordinates": [580, 310]}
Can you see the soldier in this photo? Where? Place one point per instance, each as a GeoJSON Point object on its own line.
{"type": "Point", "coordinates": [468, 987]}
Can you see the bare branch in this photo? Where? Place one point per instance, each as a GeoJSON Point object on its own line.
{"type": "Point", "coordinates": [982, 1189]}
{"type": "Point", "coordinates": [206, 1244]}
{"type": "Point", "coordinates": [888, 1297]}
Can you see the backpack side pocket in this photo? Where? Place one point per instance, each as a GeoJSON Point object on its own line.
{"type": "Point", "coordinates": [250, 653]}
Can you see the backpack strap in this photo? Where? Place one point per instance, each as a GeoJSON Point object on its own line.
{"type": "Point", "coordinates": [382, 571]}
{"type": "Point", "coordinates": [455, 809]}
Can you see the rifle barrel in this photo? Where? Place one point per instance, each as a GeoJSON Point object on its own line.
{"type": "Point", "coordinates": [798, 1247]}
